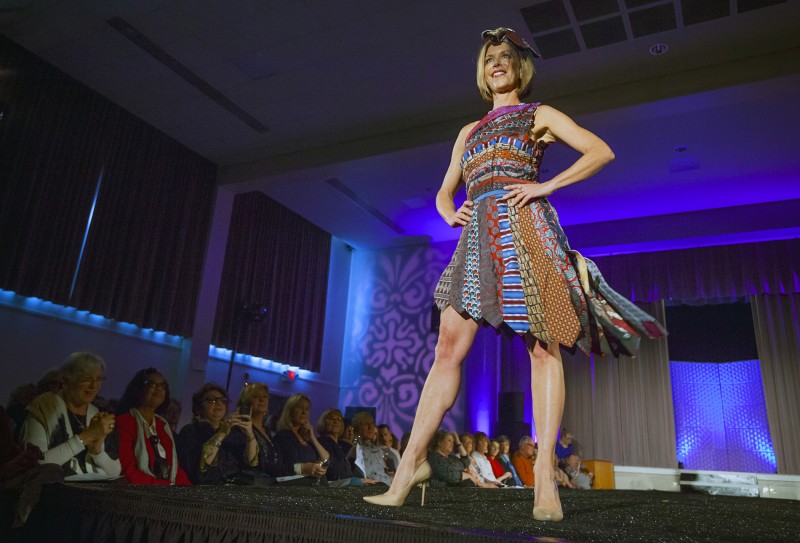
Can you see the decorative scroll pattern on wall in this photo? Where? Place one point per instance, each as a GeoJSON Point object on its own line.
{"type": "Point", "coordinates": [389, 346]}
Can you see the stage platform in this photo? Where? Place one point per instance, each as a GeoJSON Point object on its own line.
{"type": "Point", "coordinates": [123, 513]}
{"type": "Point", "coordinates": [763, 485]}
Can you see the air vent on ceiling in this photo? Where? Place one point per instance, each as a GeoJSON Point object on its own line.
{"type": "Point", "coordinates": [603, 32]}
{"type": "Point", "coordinates": [749, 5]}
{"type": "Point", "coordinates": [652, 20]}
{"type": "Point", "coordinates": [562, 27]}
{"type": "Point", "coordinates": [699, 12]}
{"type": "Point", "coordinates": [592, 9]}
{"type": "Point", "coordinates": [558, 43]}
{"type": "Point", "coordinates": [545, 16]}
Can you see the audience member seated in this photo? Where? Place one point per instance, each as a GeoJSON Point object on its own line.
{"type": "Point", "coordinates": [21, 472]}
{"type": "Point", "coordinates": [578, 477]}
{"type": "Point", "coordinates": [208, 450]}
{"type": "Point", "coordinates": [254, 400]}
{"type": "Point", "coordinates": [447, 470]}
{"type": "Point", "coordinates": [388, 440]}
{"type": "Point", "coordinates": [296, 440]}
{"type": "Point", "coordinates": [404, 442]}
{"type": "Point", "coordinates": [523, 459]}
{"type": "Point", "coordinates": [502, 475]}
{"type": "Point", "coordinates": [482, 465]}
{"type": "Point", "coordinates": [330, 427]}
{"type": "Point", "coordinates": [562, 479]}
{"type": "Point", "coordinates": [348, 436]}
{"type": "Point", "coordinates": [505, 460]}
{"type": "Point", "coordinates": [374, 461]}
{"type": "Point", "coordinates": [564, 445]}
{"type": "Point", "coordinates": [17, 406]}
{"type": "Point", "coordinates": [467, 441]}
{"type": "Point", "coordinates": [67, 428]}
{"type": "Point", "coordinates": [173, 414]}
{"type": "Point", "coordinates": [147, 449]}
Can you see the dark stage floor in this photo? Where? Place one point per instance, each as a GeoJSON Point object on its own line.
{"type": "Point", "coordinates": [116, 512]}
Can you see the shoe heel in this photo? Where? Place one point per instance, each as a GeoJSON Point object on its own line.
{"type": "Point", "coordinates": [422, 501]}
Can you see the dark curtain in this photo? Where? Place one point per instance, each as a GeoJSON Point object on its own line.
{"type": "Point", "coordinates": [47, 180]}
{"type": "Point", "coordinates": [722, 273]}
{"type": "Point", "coordinates": [146, 245]}
{"type": "Point", "coordinates": [276, 258]}
{"type": "Point", "coordinates": [144, 255]}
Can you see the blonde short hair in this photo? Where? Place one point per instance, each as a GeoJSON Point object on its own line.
{"type": "Point", "coordinates": [285, 422]}
{"type": "Point", "coordinates": [523, 63]}
{"type": "Point", "coordinates": [249, 390]}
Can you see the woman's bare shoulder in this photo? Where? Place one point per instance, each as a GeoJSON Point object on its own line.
{"type": "Point", "coordinates": [467, 129]}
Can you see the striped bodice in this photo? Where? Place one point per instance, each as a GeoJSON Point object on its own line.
{"type": "Point", "coordinates": [499, 151]}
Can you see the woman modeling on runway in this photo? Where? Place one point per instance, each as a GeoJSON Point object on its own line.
{"type": "Point", "coordinates": [513, 266]}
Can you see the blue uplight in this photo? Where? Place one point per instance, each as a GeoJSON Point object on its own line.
{"type": "Point", "coordinates": [83, 317]}
{"type": "Point", "coordinates": [221, 353]}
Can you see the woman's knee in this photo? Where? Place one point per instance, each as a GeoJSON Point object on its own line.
{"type": "Point", "coordinates": [451, 349]}
{"type": "Point", "coordinates": [448, 355]}
{"type": "Point", "coordinates": [541, 352]}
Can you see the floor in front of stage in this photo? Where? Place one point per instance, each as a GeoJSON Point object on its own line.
{"type": "Point", "coordinates": [117, 512]}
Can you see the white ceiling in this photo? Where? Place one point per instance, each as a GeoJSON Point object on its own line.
{"type": "Point", "coordinates": [372, 94]}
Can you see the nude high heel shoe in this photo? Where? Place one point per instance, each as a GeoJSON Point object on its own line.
{"type": "Point", "coordinates": [547, 514]}
{"type": "Point", "coordinates": [552, 515]}
{"type": "Point", "coordinates": [421, 475]}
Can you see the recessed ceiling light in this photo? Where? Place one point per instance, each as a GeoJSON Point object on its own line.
{"type": "Point", "coordinates": [658, 49]}
{"type": "Point", "coordinates": [681, 148]}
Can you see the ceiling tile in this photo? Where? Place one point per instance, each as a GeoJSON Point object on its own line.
{"type": "Point", "coordinates": [545, 16]}
{"type": "Point", "coordinates": [592, 9]}
{"type": "Point", "coordinates": [652, 20]}
{"type": "Point", "coordinates": [604, 32]}
{"type": "Point", "coordinates": [698, 12]}
{"type": "Point", "coordinates": [558, 43]}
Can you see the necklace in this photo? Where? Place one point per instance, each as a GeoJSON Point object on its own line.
{"type": "Point", "coordinates": [299, 437]}
{"type": "Point", "coordinates": [75, 421]}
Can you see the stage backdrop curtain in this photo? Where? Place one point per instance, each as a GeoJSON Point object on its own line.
{"type": "Point", "coordinates": [706, 274]}
{"type": "Point", "coordinates": [145, 249]}
{"type": "Point", "coordinates": [276, 258]}
{"type": "Point", "coordinates": [778, 339]}
{"type": "Point", "coordinates": [620, 409]}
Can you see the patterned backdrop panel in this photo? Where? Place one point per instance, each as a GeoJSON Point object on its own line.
{"type": "Point", "coordinates": [721, 417]}
{"type": "Point", "coordinates": [389, 346]}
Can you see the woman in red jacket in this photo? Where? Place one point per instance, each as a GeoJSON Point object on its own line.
{"type": "Point", "coordinates": [146, 445]}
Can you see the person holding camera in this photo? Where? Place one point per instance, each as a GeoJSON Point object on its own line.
{"type": "Point", "coordinates": [208, 450]}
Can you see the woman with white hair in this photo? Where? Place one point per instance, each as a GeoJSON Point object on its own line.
{"type": "Point", "coordinates": [67, 427]}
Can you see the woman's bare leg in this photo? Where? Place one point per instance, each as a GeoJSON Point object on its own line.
{"type": "Point", "coordinates": [456, 334]}
{"type": "Point", "coordinates": [547, 388]}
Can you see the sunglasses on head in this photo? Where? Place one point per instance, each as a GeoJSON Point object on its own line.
{"type": "Point", "coordinates": [500, 35]}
